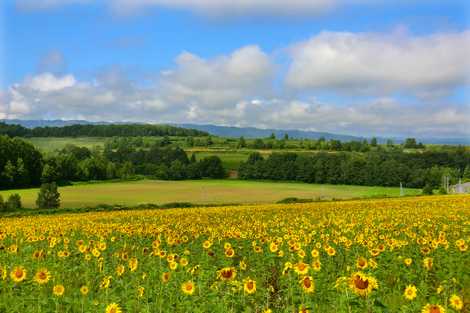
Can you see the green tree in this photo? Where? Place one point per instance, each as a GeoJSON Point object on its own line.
{"type": "Point", "coordinates": [127, 170]}
{"type": "Point", "coordinates": [410, 143]}
{"type": "Point", "coordinates": [177, 170]}
{"type": "Point", "coordinates": [466, 173]}
{"type": "Point", "coordinates": [2, 204]}
{"type": "Point", "coordinates": [9, 174]}
{"type": "Point", "coordinates": [258, 144]}
{"type": "Point", "coordinates": [14, 202]}
{"type": "Point", "coordinates": [373, 142]}
{"type": "Point", "coordinates": [49, 174]}
{"type": "Point", "coordinates": [190, 141]}
{"type": "Point", "coordinates": [241, 142]}
{"type": "Point", "coordinates": [48, 196]}
{"type": "Point", "coordinates": [211, 167]}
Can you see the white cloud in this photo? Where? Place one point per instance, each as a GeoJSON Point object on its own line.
{"type": "Point", "coordinates": [220, 81]}
{"type": "Point", "coordinates": [48, 82]}
{"type": "Point", "coordinates": [231, 7]}
{"type": "Point", "coordinates": [379, 63]}
{"type": "Point", "coordinates": [232, 89]}
{"type": "Point", "coordinates": [46, 4]}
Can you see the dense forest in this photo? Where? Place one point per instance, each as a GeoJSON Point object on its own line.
{"type": "Point", "coordinates": [124, 130]}
{"type": "Point", "coordinates": [377, 168]}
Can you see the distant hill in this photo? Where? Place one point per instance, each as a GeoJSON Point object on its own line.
{"type": "Point", "coordinates": [51, 123]}
{"type": "Point", "coordinates": [247, 132]}
{"type": "Point", "coordinates": [252, 132]}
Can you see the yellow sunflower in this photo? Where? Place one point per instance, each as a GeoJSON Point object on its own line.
{"type": "Point", "coordinates": [227, 273]}
{"type": "Point", "coordinates": [18, 274]}
{"type": "Point", "coordinates": [165, 277]}
{"type": "Point", "coordinates": [58, 290]}
{"type": "Point", "coordinates": [410, 292]}
{"type": "Point", "coordinates": [188, 287]}
{"type": "Point", "coordinates": [229, 253]}
{"type": "Point", "coordinates": [427, 263]}
{"type": "Point", "coordinates": [301, 268]}
{"type": "Point", "coordinates": [113, 308]}
{"type": "Point", "coordinates": [361, 263]}
{"type": "Point", "coordinates": [433, 308]}
{"type": "Point", "coordinates": [315, 253]}
{"type": "Point", "coordinates": [249, 286]}
{"type": "Point", "coordinates": [307, 284]}
{"type": "Point", "coordinates": [361, 284]}
{"type": "Point", "coordinates": [42, 276]}
{"type": "Point", "coordinates": [456, 302]}
{"type": "Point", "coordinates": [84, 290]}
{"type": "Point", "coordinates": [120, 269]}
{"type": "Point", "coordinates": [303, 309]}
{"type": "Point", "coordinates": [331, 251]}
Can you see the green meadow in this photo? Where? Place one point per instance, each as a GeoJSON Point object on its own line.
{"type": "Point", "coordinates": [200, 192]}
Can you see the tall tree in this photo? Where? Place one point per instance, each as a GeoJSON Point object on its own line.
{"type": "Point", "coordinates": [48, 196]}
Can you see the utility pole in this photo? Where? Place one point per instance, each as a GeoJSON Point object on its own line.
{"type": "Point", "coordinates": [402, 192]}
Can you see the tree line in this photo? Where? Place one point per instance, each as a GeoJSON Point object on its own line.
{"type": "Point", "coordinates": [370, 169]}
{"type": "Point", "coordinates": [124, 130]}
{"type": "Point", "coordinates": [22, 165]}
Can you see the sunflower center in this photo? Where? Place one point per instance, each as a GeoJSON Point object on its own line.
{"type": "Point", "coordinates": [227, 273]}
{"type": "Point", "coordinates": [250, 285]}
{"type": "Point", "coordinates": [360, 283]}
{"type": "Point", "coordinates": [19, 273]}
{"type": "Point", "coordinates": [42, 275]}
{"type": "Point", "coordinates": [307, 282]}
{"type": "Point", "coordinates": [435, 309]}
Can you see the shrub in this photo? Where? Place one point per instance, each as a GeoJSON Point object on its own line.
{"type": "Point", "coordinates": [48, 197]}
{"type": "Point", "coordinates": [428, 190]}
{"type": "Point", "coordinates": [2, 204]}
{"type": "Point", "coordinates": [14, 202]}
{"type": "Point", "coordinates": [294, 200]}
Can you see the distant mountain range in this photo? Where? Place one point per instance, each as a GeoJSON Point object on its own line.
{"type": "Point", "coordinates": [247, 132]}
{"type": "Point", "coordinates": [252, 132]}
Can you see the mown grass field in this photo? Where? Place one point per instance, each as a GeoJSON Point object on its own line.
{"type": "Point", "coordinates": [387, 255]}
{"type": "Point", "coordinates": [200, 191]}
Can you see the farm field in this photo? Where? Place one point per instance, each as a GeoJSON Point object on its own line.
{"type": "Point", "coordinates": [51, 144]}
{"type": "Point", "coordinates": [394, 255]}
{"type": "Point", "coordinates": [200, 191]}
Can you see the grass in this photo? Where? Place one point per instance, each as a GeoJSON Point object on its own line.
{"type": "Point", "coordinates": [230, 159]}
{"type": "Point", "coordinates": [200, 192]}
{"type": "Point", "coordinates": [53, 143]}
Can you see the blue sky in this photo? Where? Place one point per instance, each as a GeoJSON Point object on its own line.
{"type": "Point", "coordinates": [314, 66]}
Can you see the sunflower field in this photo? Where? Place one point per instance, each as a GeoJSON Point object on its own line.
{"type": "Point", "coordinates": [391, 255]}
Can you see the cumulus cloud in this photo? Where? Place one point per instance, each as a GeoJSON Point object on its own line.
{"type": "Point", "coordinates": [48, 82]}
{"type": "Point", "coordinates": [218, 82]}
{"type": "Point", "coordinates": [233, 89]}
{"type": "Point", "coordinates": [380, 116]}
{"type": "Point", "coordinates": [379, 63]}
